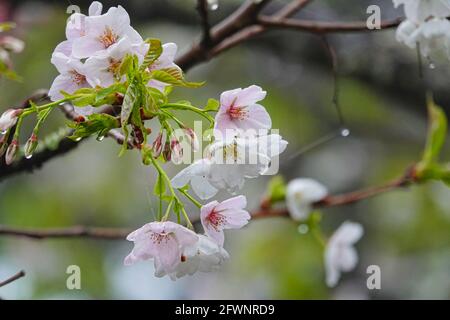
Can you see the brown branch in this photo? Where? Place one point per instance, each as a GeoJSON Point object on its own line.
{"type": "Point", "coordinates": [15, 277]}
{"type": "Point", "coordinates": [266, 211]}
{"type": "Point", "coordinates": [202, 8]}
{"type": "Point", "coordinates": [322, 26]}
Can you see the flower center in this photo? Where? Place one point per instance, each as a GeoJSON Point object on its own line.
{"type": "Point", "coordinates": [108, 38]}
{"type": "Point", "coordinates": [239, 113]}
{"type": "Point", "coordinates": [78, 78]}
{"type": "Point", "coordinates": [216, 220]}
{"type": "Point", "coordinates": [160, 238]}
{"type": "Point", "coordinates": [114, 66]}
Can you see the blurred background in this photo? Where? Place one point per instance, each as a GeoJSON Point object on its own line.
{"type": "Point", "coordinates": [406, 231]}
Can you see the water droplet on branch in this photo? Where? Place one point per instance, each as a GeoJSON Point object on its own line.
{"type": "Point", "coordinates": [213, 5]}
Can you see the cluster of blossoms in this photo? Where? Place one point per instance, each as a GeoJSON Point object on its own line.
{"type": "Point", "coordinates": [8, 45]}
{"type": "Point", "coordinates": [426, 26]}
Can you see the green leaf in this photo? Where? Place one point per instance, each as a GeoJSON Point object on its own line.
{"type": "Point", "coordinates": [276, 189]}
{"type": "Point", "coordinates": [437, 132]}
{"type": "Point", "coordinates": [174, 76]}
{"type": "Point", "coordinates": [129, 102]}
{"type": "Point", "coordinates": [99, 124]}
{"type": "Point", "coordinates": [153, 53]}
{"type": "Point", "coordinates": [212, 105]}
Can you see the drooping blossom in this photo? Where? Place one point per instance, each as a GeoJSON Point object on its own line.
{"type": "Point", "coordinates": [8, 119]}
{"type": "Point", "coordinates": [432, 36]}
{"type": "Point", "coordinates": [192, 139]}
{"type": "Point", "coordinates": [157, 145]}
{"type": "Point", "coordinates": [239, 110]}
{"type": "Point", "coordinates": [164, 242]}
{"type": "Point", "coordinates": [104, 31]}
{"type": "Point", "coordinates": [203, 256]}
{"type": "Point", "coordinates": [421, 10]}
{"type": "Point", "coordinates": [165, 60]}
{"type": "Point", "coordinates": [103, 70]}
{"type": "Point", "coordinates": [11, 152]}
{"type": "Point", "coordinates": [229, 163]}
{"type": "Point", "coordinates": [218, 216]}
{"type": "Point", "coordinates": [340, 254]}
{"type": "Point", "coordinates": [176, 150]}
{"type": "Point", "coordinates": [76, 28]}
{"type": "Point", "coordinates": [301, 193]}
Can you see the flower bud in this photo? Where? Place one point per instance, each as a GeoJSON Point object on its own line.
{"type": "Point", "coordinates": [167, 153]}
{"type": "Point", "coordinates": [192, 138]}
{"type": "Point", "coordinates": [157, 145]}
{"type": "Point", "coordinates": [12, 44]}
{"type": "Point", "coordinates": [31, 146]}
{"type": "Point", "coordinates": [9, 119]}
{"type": "Point", "coordinates": [3, 145]}
{"type": "Point", "coordinates": [11, 152]}
{"type": "Point", "coordinates": [177, 151]}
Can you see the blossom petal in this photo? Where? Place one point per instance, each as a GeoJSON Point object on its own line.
{"type": "Point", "coordinates": [249, 96]}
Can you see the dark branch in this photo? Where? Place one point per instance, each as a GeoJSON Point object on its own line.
{"type": "Point", "coordinates": [15, 277]}
{"type": "Point", "coordinates": [202, 7]}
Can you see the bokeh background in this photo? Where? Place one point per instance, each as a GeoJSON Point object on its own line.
{"type": "Point", "coordinates": [406, 231]}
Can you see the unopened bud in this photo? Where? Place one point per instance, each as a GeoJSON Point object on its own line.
{"type": "Point", "coordinates": [193, 140]}
{"type": "Point", "coordinates": [11, 152]}
{"type": "Point", "coordinates": [9, 119]}
{"type": "Point", "coordinates": [177, 151]}
{"type": "Point", "coordinates": [158, 145]}
{"type": "Point", "coordinates": [167, 153]}
{"type": "Point", "coordinates": [31, 146]}
{"type": "Point", "coordinates": [3, 145]}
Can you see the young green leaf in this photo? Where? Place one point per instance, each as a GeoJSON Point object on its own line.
{"type": "Point", "coordinates": [277, 189]}
{"type": "Point", "coordinates": [437, 132]}
{"type": "Point", "coordinates": [154, 52]}
{"type": "Point", "coordinates": [212, 105]}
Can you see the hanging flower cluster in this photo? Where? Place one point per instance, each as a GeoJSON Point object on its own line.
{"type": "Point", "coordinates": [426, 26]}
{"type": "Point", "coordinates": [8, 45]}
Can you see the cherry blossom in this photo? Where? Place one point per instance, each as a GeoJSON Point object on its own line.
{"type": "Point", "coordinates": [421, 10]}
{"type": "Point", "coordinates": [104, 31]}
{"type": "Point", "coordinates": [164, 242]}
{"type": "Point", "coordinates": [103, 70]}
{"type": "Point", "coordinates": [301, 193]}
{"type": "Point", "coordinates": [432, 36]}
{"type": "Point", "coordinates": [76, 28]}
{"type": "Point", "coordinates": [340, 255]}
{"type": "Point", "coordinates": [203, 256]}
{"type": "Point", "coordinates": [239, 110]}
{"type": "Point", "coordinates": [229, 214]}
{"type": "Point", "coordinates": [229, 163]}
{"type": "Point", "coordinates": [9, 119]}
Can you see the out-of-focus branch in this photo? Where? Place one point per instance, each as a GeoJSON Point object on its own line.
{"type": "Point", "coordinates": [323, 27]}
{"type": "Point", "coordinates": [265, 211]}
{"type": "Point", "coordinates": [202, 8]}
{"type": "Point", "coordinates": [15, 277]}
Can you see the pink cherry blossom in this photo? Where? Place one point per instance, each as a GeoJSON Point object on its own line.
{"type": "Point", "coordinates": [229, 214]}
{"type": "Point", "coordinates": [102, 70]}
{"type": "Point", "coordinates": [162, 241]}
{"type": "Point", "coordinates": [239, 110]}
{"type": "Point", "coordinates": [103, 32]}
{"type": "Point", "coordinates": [166, 60]}
{"type": "Point", "coordinates": [76, 28]}
{"type": "Point", "coordinates": [72, 76]}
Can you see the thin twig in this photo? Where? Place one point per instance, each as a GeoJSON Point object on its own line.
{"type": "Point", "coordinates": [15, 277]}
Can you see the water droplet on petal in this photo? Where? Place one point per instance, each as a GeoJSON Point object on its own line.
{"type": "Point", "coordinates": [213, 5]}
{"type": "Point", "coordinates": [345, 132]}
{"type": "Point", "coordinates": [28, 156]}
{"type": "Point", "coordinates": [303, 229]}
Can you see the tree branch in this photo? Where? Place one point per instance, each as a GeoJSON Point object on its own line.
{"type": "Point", "coordinates": [202, 8]}
{"type": "Point", "coordinates": [265, 211]}
{"type": "Point", "coordinates": [15, 277]}
{"type": "Point", "coordinates": [322, 26]}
